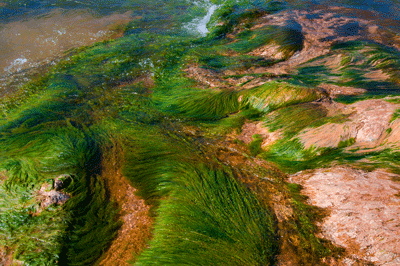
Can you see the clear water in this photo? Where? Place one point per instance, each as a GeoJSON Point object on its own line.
{"type": "Point", "coordinates": [34, 33]}
{"type": "Point", "coordinates": [385, 13]}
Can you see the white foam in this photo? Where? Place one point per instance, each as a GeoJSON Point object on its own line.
{"type": "Point", "coordinates": [199, 25]}
{"type": "Point", "coordinates": [16, 65]}
{"type": "Point", "coordinates": [202, 25]}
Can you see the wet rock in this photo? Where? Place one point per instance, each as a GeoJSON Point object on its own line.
{"type": "Point", "coordinates": [250, 128]}
{"type": "Point", "coordinates": [350, 29]}
{"type": "Point", "coordinates": [270, 51]}
{"type": "Point", "coordinates": [52, 195]}
{"type": "Point", "coordinates": [364, 209]}
{"type": "Point", "coordinates": [204, 76]}
{"type": "Point", "coordinates": [135, 231]}
{"type": "Point", "coordinates": [321, 29]}
{"type": "Point", "coordinates": [292, 24]}
{"type": "Point", "coordinates": [334, 90]}
{"type": "Point", "coordinates": [367, 123]}
{"type": "Point", "coordinates": [61, 182]}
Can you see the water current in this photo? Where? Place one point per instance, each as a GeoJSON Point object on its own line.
{"type": "Point", "coordinates": [34, 33]}
{"type": "Point", "coordinates": [134, 130]}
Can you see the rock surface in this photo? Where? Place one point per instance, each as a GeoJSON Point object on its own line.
{"type": "Point", "coordinates": [251, 128]}
{"type": "Point", "coordinates": [321, 29]}
{"type": "Point", "coordinates": [367, 124]}
{"type": "Point", "coordinates": [48, 196]}
{"type": "Point", "coordinates": [364, 210]}
{"type": "Point", "coordinates": [132, 236]}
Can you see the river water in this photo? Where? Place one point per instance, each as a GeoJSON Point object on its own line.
{"type": "Point", "coordinates": [36, 33]}
{"type": "Point", "coordinates": [106, 91]}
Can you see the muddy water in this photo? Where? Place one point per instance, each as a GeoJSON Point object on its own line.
{"type": "Point", "coordinates": [28, 43]}
{"type": "Point", "coordinates": [36, 33]}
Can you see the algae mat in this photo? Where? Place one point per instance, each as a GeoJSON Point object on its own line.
{"type": "Point", "coordinates": [168, 143]}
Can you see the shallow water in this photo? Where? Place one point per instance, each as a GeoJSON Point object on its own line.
{"type": "Point", "coordinates": [201, 24]}
{"type": "Point", "coordinates": [36, 32]}
{"type": "Point", "coordinates": [27, 43]}
{"type": "Point", "coordinates": [385, 13]}
{"type": "Point", "coordinates": [151, 92]}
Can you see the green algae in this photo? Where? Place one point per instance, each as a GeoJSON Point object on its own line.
{"type": "Point", "coordinates": [135, 88]}
{"type": "Point", "coordinates": [358, 59]}
{"type": "Point", "coordinates": [202, 104]}
{"type": "Point", "coordinates": [33, 239]}
{"type": "Point", "coordinates": [212, 233]}
{"type": "Point", "coordinates": [395, 115]}
{"type": "Point", "coordinates": [255, 145]}
{"type": "Point", "coordinates": [294, 118]}
{"type": "Point", "coordinates": [346, 143]}
{"type": "Point", "coordinates": [43, 154]}
{"type": "Point", "coordinates": [221, 63]}
{"type": "Point", "coordinates": [274, 95]}
{"type": "Point", "coordinates": [233, 14]}
{"type": "Point", "coordinates": [288, 40]}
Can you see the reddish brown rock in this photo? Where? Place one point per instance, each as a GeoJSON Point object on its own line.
{"type": "Point", "coordinates": [367, 124]}
{"type": "Point", "coordinates": [334, 90]}
{"type": "Point", "coordinates": [135, 231]}
{"type": "Point", "coordinates": [269, 51]}
{"type": "Point", "coordinates": [204, 76]}
{"type": "Point", "coordinates": [321, 29]}
{"type": "Point", "coordinates": [364, 211]}
{"type": "Point", "coordinates": [250, 128]}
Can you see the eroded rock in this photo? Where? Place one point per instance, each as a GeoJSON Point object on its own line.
{"type": "Point", "coordinates": [132, 236]}
{"type": "Point", "coordinates": [321, 29]}
{"type": "Point", "coordinates": [204, 76]}
{"type": "Point", "coordinates": [61, 182]}
{"type": "Point", "coordinates": [49, 198]}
